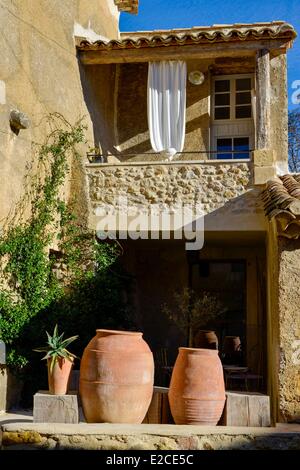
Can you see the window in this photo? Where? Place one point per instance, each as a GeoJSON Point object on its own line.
{"type": "Point", "coordinates": [233, 148]}
{"type": "Point", "coordinates": [222, 99]}
{"type": "Point", "coordinates": [232, 98]}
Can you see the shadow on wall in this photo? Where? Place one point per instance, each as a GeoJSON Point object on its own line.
{"type": "Point", "coordinates": [98, 84]}
{"type": "Point", "coordinates": [116, 98]}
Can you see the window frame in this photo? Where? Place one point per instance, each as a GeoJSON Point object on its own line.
{"type": "Point", "coordinates": [232, 80]}
{"type": "Point", "coordinates": [230, 156]}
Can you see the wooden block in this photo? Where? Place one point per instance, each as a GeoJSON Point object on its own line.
{"type": "Point", "coordinates": [159, 409]}
{"type": "Point", "coordinates": [49, 408]}
{"type": "Point", "coordinates": [246, 409]}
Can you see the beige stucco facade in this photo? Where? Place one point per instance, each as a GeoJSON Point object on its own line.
{"type": "Point", "coordinates": [229, 192]}
{"type": "Point", "coordinates": [39, 74]}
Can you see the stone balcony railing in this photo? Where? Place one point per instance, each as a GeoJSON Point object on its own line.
{"type": "Point", "coordinates": [225, 191]}
{"type": "Point", "coordinates": [210, 183]}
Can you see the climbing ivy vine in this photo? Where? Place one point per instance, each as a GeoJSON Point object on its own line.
{"type": "Point", "coordinates": [32, 298]}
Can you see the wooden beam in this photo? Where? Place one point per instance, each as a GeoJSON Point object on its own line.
{"type": "Point", "coordinates": [263, 99]}
{"type": "Point", "coordinates": [184, 52]}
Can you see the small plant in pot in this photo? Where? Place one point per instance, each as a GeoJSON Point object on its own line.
{"type": "Point", "coordinates": [60, 361]}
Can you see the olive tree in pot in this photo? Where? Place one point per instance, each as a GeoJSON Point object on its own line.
{"type": "Point", "coordinates": [60, 361]}
{"type": "Point", "coordinates": [193, 312]}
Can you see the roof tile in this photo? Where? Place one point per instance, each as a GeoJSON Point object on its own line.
{"type": "Point", "coordinates": [281, 199]}
{"type": "Point", "coordinates": [195, 35]}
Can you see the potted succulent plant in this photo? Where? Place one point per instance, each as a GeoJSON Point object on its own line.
{"type": "Point", "coordinates": [60, 361]}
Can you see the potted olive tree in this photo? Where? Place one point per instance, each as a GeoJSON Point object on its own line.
{"type": "Point", "coordinates": [192, 313]}
{"type": "Point", "coordinates": [60, 361]}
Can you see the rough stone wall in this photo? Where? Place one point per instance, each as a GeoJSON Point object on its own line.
{"type": "Point", "coordinates": [279, 111]}
{"type": "Point", "coordinates": [20, 439]}
{"type": "Point", "coordinates": [39, 74]}
{"type": "Point", "coordinates": [289, 328]}
{"type": "Point", "coordinates": [210, 184]}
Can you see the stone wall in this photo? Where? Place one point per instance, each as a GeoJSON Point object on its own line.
{"type": "Point", "coordinates": [279, 111]}
{"type": "Point", "coordinates": [38, 436]}
{"type": "Point", "coordinates": [210, 184]}
{"type": "Point", "coordinates": [132, 135]}
{"type": "Point", "coordinates": [223, 191]}
{"type": "Point", "coordinates": [39, 74]}
{"type": "Point", "coordinates": [289, 328]}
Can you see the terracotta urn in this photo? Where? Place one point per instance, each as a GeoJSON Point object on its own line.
{"type": "Point", "coordinates": [206, 339]}
{"type": "Point", "coordinates": [58, 378]}
{"type": "Point", "coordinates": [231, 344]}
{"type": "Point", "coordinates": [197, 390]}
{"type": "Point", "coordinates": [116, 377]}
{"type": "Point", "coordinates": [232, 350]}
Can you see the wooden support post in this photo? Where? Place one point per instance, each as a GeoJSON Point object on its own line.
{"type": "Point", "coordinates": [263, 98]}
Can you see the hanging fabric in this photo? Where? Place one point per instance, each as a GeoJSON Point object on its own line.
{"type": "Point", "coordinates": [167, 106]}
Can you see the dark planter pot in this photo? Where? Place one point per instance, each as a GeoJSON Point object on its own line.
{"type": "Point", "coordinates": [206, 339]}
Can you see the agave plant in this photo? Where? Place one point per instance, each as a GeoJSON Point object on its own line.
{"type": "Point", "coordinates": [56, 347]}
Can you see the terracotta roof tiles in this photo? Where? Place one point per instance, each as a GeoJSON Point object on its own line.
{"type": "Point", "coordinates": [196, 35]}
{"type": "Point", "coordinates": [281, 199]}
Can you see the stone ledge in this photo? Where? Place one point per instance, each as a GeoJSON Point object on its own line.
{"type": "Point", "coordinates": [149, 429]}
{"type": "Point", "coordinates": [21, 436]}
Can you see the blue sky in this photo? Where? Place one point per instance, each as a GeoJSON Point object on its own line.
{"type": "Point", "coordinates": [165, 14]}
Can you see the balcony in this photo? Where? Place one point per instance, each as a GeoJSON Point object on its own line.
{"type": "Point", "coordinates": [210, 182]}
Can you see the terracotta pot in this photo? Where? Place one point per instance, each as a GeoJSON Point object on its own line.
{"type": "Point", "coordinates": [116, 378]}
{"type": "Point", "coordinates": [232, 352]}
{"type": "Point", "coordinates": [206, 339]}
{"type": "Point", "coordinates": [197, 391]}
{"type": "Point", "coordinates": [58, 379]}
{"type": "Point", "coordinates": [231, 344]}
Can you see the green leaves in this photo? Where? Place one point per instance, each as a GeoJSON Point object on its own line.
{"type": "Point", "coordinates": [27, 283]}
{"type": "Point", "coordinates": [32, 297]}
{"type": "Point", "coordinates": [56, 347]}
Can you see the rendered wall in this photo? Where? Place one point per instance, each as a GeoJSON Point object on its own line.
{"type": "Point", "coordinates": [132, 124]}
{"type": "Point", "coordinates": [289, 328]}
{"type": "Point", "coordinates": [279, 111]}
{"type": "Point", "coordinates": [39, 74]}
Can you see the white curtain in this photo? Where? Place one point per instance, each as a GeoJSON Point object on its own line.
{"type": "Point", "coordinates": [166, 106]}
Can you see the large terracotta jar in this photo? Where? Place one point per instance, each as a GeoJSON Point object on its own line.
{"type": "Point", "coordinates": [116, 378]}
{"type": "Point", "coordinates": [197, 391]}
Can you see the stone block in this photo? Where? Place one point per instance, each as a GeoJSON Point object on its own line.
{"type": "Point", "coordinates": [246, 409]}
{"type": "Point", "coordinates": [263, 157]}
{"type": "Point", "coordinates": [10, 389]}
{"type": "Point", "coordinates": [3, 388]}
{"type": "Point", "coordinates": [262, 174]}
{"type": "Point", "coordinates": [49, 408]}
{"type": "Point", "coordinates": [18, 120]}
